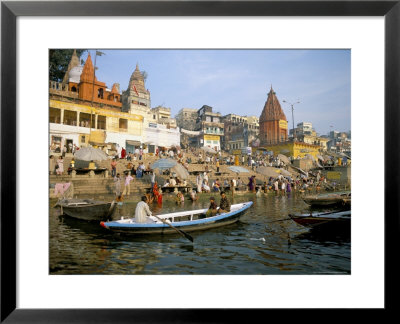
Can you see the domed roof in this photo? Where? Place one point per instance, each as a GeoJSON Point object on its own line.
{"type": "Point", "coordinates": [75, 74]}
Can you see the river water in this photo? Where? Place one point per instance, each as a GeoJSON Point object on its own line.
{"type": "Point", "coordinates": [263, 242]}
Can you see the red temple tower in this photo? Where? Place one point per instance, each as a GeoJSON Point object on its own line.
{"type": "Point", "coordinates": [273, 122]}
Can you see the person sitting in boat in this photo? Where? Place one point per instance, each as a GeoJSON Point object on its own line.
{"type": "Point", "coordinates": [142, 211]}
{"type": "Point", "coordinates": [224, 204]}
{"type": "Point", "coordinates": [166, 184]}
{"type": "Point", "coordinates": [212, 210]}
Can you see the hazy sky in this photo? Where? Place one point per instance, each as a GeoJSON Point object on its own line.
{"type": "Point", "coordinates": [238, 81]}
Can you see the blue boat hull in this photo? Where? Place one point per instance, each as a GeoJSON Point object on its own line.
{"type": "Point", "coordinates": [187, 226]}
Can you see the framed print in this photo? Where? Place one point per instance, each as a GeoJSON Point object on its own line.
{"type": "Point", "coordinates": [43, 279]}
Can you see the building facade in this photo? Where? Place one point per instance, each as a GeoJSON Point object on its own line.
{"type": "Point", "coordinates": [239, 132]}
{"type": "Point", "coordinates": [211, 128]}
{"type": "Point", "coordinates": [83, 111]}
{"type": "Point", "coordinates": [273, 122]}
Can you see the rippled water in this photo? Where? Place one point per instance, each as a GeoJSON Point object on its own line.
{"type": "Point", "coordinates": [264, 241]}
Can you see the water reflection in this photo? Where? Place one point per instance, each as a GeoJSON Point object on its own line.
{"type": "Point", "coordinates": [264, 241]}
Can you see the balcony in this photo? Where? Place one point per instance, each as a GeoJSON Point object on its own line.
{"type": "Point", "coordinates": [214, 132]}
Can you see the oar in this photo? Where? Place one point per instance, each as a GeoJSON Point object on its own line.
{"type": "Point", "coordinates": [184, 234]}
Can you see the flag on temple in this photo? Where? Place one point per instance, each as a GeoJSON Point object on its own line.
{"type": "Point", "coordinates": [134, 88]}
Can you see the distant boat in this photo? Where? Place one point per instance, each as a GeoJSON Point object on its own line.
{"type": "Point", "coordinates": [313, 220]}
{"type": "Point", "coordinates": [188, 221]}
{"type": "Point", "coordinates": [87, 209]}
{"type": "Point", "coordinates": [330, 199]}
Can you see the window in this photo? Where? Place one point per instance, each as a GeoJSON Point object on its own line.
{"type": "Point", "coordinates": [84, 120]}
{"type": "Point", "coordinates": [70, 117]}
{"type": "Point", "coordinates": [123, 124]}
{"type": "Point", "coordinates": [55, 116]}
{"type": "Point", "coordinates": [100, 93]}
{"type": "Point", "coordinates": [101, 122]}
{"type": "Point", "coordinates": [73, 89]}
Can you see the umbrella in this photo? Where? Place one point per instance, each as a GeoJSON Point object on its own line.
{"type": "Point", "coordinates": [310, 157]}
{"type": "Point", "coordinates": [320, 158]}
{"type": "Point", "coordinates": [300, 170]}
{"type": "Point", "coordinates": [268, 171]}
{"type": "Point", "coordinates": [163, 164]}
{"type": "Point", "coordinates": [237, 169]}
{"type": "Point", "coordinates": [208, 150]}
{"type": "Point", "coordinates": [90, 154]}
{"type": "Point", "coordinates": [285, 151]}
{"type": "Point", "coordinates": [283, 158]}
{"type": "Point", "coordinates": [285, 173]}
{"type": "Point", "coordinates": [180, 171]}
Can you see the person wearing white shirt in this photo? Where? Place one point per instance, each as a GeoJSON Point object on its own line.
{"type": "Point", "coordinates": [142, 211]}
{"type": "Point", "coordinates": [172, 182]}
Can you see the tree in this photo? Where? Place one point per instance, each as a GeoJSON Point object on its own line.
{"type": "Point", "coordinates": [58, 62]}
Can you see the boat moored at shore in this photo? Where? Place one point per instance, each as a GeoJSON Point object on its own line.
{"type": "Point", "coordinates": [87, 209]}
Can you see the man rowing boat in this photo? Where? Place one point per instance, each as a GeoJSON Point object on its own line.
{"type": "Point", "coordinates": [142, 211]}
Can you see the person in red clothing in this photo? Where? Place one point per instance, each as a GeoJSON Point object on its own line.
{"type": "Point", "coordinates": [123, 153]}
{"type": "Point", "coordinates": [157, 195]}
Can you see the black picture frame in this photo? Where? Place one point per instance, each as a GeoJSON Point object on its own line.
{"type": "Point", "coordinates": [10, 10]}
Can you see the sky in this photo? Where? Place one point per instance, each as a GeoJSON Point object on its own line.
{"type": "Point", "coordinates": [238, 81]}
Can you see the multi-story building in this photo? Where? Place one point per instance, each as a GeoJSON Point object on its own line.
{"type": "Point", "coordinates": [162, 115]}
{"type": "Point", "coordinates": [186, 121]}
{"type": "Point", "coordinates": [211, 128]}
{"type": "Point", "coordinates": [186, 118]}
{"type": "Point", "coordinates": [84, 111]}
{"type": "Point", "coordinates": [239, 132]}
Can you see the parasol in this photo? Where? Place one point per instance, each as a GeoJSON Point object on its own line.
{"type": "Point", "coordinates": [285, 173]}
{"type": "Point", "coordinates": [283, 158]}
{"type": "Point", "coordinates": [238, 169]}
{"type": "Point", "coordinates": [268, 171]}
{"type": "Point", "coordinates": [208, 150]}
{"type": "Point", "coordinates": [163, 164]}
{"type": "Point", "coordinates": [180, 171]}
{"type": "Point", "coordinates": [310, 157]}
{"type": "Point", "coordinates": [90, 154]}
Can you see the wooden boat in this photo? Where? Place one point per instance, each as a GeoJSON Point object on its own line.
{"type": "Point", "coordinates": [318, 219]}
{"type": "Point", "coordinates": [188, 221]}
{"type": "Point", "coordinates": [87, 209]}
{"type": "Point", "coordinates": [330, 199]}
